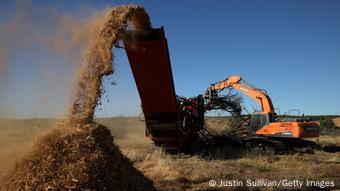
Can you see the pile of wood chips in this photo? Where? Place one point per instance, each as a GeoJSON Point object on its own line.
{"type": "Point", "coordinates": [76, 159]}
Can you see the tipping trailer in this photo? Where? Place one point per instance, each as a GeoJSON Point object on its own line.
{"type": "Point", "coordinates": [171, 121]}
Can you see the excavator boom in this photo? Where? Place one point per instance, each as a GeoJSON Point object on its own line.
{"type": "Point", "coordinates": [258, 95]}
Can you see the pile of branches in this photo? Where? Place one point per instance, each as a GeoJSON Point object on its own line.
{"type": "Point", "coordinates": [230, 103]}
{"type": "Point", "coordinates": [237, 129]}
{"type": "Point", "coordinates": [234, 135]}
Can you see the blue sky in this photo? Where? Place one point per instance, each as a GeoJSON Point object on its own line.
{"type": "Point", "coordinates": [291, 48]}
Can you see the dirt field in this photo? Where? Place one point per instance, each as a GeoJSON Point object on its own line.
{"type": "Point", "coordinates": [185, 172]}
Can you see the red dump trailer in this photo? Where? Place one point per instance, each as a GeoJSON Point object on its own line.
{"type": "Point", "coordinates": [171, 121]}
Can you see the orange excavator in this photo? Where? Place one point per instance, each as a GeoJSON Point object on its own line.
{"type": "Point", "coordinates": [264, 122]}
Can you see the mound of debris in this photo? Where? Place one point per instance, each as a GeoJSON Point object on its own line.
{"type": "Point", "coordinates": [76, 159]}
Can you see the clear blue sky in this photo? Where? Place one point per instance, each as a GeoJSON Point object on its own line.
{"type": "Point", "coordinates": [291, 48]}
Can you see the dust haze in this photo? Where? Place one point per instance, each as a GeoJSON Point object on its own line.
{"type": "Point", "coordinates": [40, 51]}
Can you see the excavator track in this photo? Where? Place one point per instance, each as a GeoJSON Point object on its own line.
{"type": "Point", "coordinates": [280, 144]}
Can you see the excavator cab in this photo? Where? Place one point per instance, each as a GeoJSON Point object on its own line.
{"type": "Point", "coordinates": [261, 119]}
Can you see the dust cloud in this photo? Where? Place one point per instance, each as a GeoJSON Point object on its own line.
{"type": "Point", "coordinates": [40, 53]}
{"type": "Point", "coordinates": [36, 31]}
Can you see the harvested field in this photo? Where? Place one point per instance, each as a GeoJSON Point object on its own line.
{"type": "Point", "coordinates": [192, 172]}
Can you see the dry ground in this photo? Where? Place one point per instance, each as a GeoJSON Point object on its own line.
{"type": "Point", "coordinates": [185, 172]}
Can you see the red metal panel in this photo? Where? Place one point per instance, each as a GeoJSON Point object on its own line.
{"type": "Point", "coordinates": [150, 64]}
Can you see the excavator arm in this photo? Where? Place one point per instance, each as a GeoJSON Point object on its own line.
{"type": "Point", "coordinates": [235, 82]}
